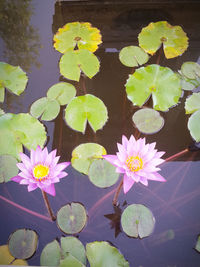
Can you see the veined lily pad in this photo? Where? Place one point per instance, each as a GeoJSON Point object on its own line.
{"type": "Point", "coordinates": [103, 254]}
{"type": "Point", "coordinates": [192, 103]}
{"type": "Point", "coordinates": [8, 168]}
{"type": "Point", "coordinates": [189, 84]}
{"type": "Point", "coordinates": [148, 121]}
{"type": "Point", "coordinates": [13, 78]}
{"type": "Point", "coordinates": [80, 34]}
{"type": "Point", "coordinates": [46, 108]}
{"type": "Point", "coordinates": [70, 261]}
{"type": "Point", "coordinates": [6, 258]}
{"type": "Point", "coordinates": [62, 92]}
{"type": "Point", "coordinates": [86, 108]}
{"type": "Point", "coordinates": [194, 125]}
{"type": "Point", "coordinates": [84, 154]}
{"type": "Point", "coordinates": [73, 62]}
{"type": "Point", "coordinates": [23, 243]}
{"type": "Point", "coordinates": [51, 254]}
{"type": "Point", "coordinates": [137, 220]}
{"type": "Point", "coordinates": [190, 70]}
{"type": "Point", "coordinates": [72, 218]}
{"type": "Point", "coordinates": [102, 173]}
{"type": "Point", "coordinates": [161, 82]}
{"type": "Point", "coordinates": [197, 247]}
{"type": "Point", "coordinates": [133, 56]}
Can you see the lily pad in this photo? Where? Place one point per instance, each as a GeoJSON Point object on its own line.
{"type": "Point", "coordinates": [133, 56]}
{"type": "Point", "coordinates": [45, 108]}
{"type": "Point", "coordinates": [70, 261]}
{"type": "Point", "coordinates": [161, 82]}
{"type": "Point", "coordinates": [102, 173]}
{"type": "Point", "coordinates": [173, 38]}
{"type": "Point", "coordinates": [189, 84]}
{"type": "Point", "coordinates": [71, 218]}
{"type": "Point", "coordinates": [51, 254]}
{"type": "Point", "coordinates": [86, 108]}
{"type": "Point", "coordinates": [197, 247]}
{"type": "Point", "coordinates": [62, 92]}
{"type": "Point", "coordinates": [8, 168]}
{"type": "Point", "coordinates": [192, 103]}
{"type": "Point", "coordinates": [73, 62]}
{"type": "Point", "coordinates": [148, 121]}
{"type": "Point", "coordinates": [137, 220]}
{"type": "Point", "coordinates": [194, 125]}
{"type": "Point", "coordinates": [84, 154]}
{"type": "Point", "coordinates": [13, 78]}
{"type": "Point", "coordinates": [6, 258]}
{"type": "Point", "coordinates": [190, 70]}
{"type": "Point", "coordinates": [23, 243]}
{"type": "Point", "coordinates": [103, 254]}
{"type": "Point", "coordinates": [80, 34]}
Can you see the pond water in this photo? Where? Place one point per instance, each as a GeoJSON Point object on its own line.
{"type": "Point", "coordinates": [175, 204]}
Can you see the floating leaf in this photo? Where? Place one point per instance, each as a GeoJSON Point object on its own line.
{"type": "Point", "coordinates": [86, 108]}
{"type": "Point", "coordinates": [161, 82]}
{"type": "Point", "coordinates": [46, 108]}
{"type": "Point", "coordinates": [173, 38]}
{"type": "Point", "coordinates": [8, 168]}
{"type": "Point", "coordinates": [71, 218]}
{"type": "Point", "coordinates": [51, 254]}
{"type": "Point", "coordinates": [194, 125]}
{"type": "Point", "coordinates": [192, 103]}
{"type": "Point", "coordinates": [23, 243]}
{"type": "Point", "coordinates": [102, 173]}
{"type": "Point", "coordinates": [137, 220]}
{"type": "Point", "coordinates": [188, 84]}
{"type": "Point", "coordinates": [84, 154]}
{"type": "Point", "coordinates": [70, 261]}
{"type": "Point", "coordinates": [73, 62]}
{"type": "Point", "coordinates": [197, 247]}
{"type": "Point", "coordinates": [148, 121]}
{"type": "Point", "coordinates": [103, 254]}
{"type": "Point", "coordinates": [80, 34]}
{"type": "Point", "coordinates": [191, 70]}
{"type": "Point", "coordinates": [6, 258]}
{"type": "Point", "coordinates": [12, 78]}
{"type": "Point", "coordinates": [133, 56]}
{"type": "Point", "coordinates": [62, 92]}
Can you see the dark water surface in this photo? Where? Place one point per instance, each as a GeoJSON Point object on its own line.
{"type": "Point", "coordinates": [175, 204]}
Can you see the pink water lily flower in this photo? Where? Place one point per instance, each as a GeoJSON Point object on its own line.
{"type": "Point", "coordinates": [40, 170]}
{"type": "Point", "coordinates": [138, 161]}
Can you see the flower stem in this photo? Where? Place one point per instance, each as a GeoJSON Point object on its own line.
{"type": "Point", "coordinates": [44, 194]}
{"type": "Point", "coordinates": [117, 193]}
{"type": "Point", "coordinates": [177, 155]}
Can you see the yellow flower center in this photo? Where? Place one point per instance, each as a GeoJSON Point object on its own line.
{"type": "Point", "coordinates": [134, 163]}
{"type": "Point", "coordinates": [40, 172]}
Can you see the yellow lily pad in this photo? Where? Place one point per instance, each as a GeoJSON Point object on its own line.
{"type": "Point", "coordinates": [7, 259]}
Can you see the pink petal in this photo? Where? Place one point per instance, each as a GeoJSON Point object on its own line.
{"type": "Point", "coordinates": [122, 156]}
{"type": "Point", "coordinates": [24, 181]}
{"type": "Point", "coordinates": [110, 158]}
{"type": "Point", "coordinates": [124, 141]}
{"type": "Point", "coordinates": [50, 158]}
{"type": "Point", "coordinates": [25, 159]}
{"type": "Point", "coordinates": [61, 166]}
{"type": "Point", "coordinates": [127, 183]}
{"type": "Point", "coordinates": [159, 154]}
{"type": "Point", "coordinates": [62, 175]}
{"type": "Point", "coordinates": [156, 177]}
{"type": "Point", "coordinates": [49, 189]}
{"type": "Point", "coordinates": [144, 181]}
{"type": "Point", "coordinates": [16, 179]}
{"type": "Point", "coordinates": [32, 187]}
{"type": "Point", "coordinates": [120, 170]}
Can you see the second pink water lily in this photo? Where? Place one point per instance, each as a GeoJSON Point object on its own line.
{"type": "Point", "coordinates": [137, 161]}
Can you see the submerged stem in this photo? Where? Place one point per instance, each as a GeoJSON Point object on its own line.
{"type": "Point", "coordinates": [44, 194]}
{"type": "Point", "coordinates": [117, 193]}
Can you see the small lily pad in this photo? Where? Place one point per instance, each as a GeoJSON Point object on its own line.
{"type": "Point", "coordinates": [23, 243]}
{"type": "Point", "coordinates": [137, 220]}
{"type": "Point", "coordinates": [192, 103]}
{"type": "Point", "coordinates": [191, 70]}
{"type": "Point", "coordinates": [8, 168]}
{"type": "Point", "coordinates": [71, 218]}
{"type": "Point", "coordinates": [86, 108]}
{"type": "Point", "coordinates": [189, 84]}
{"type": "Point", "coordinates": [6, 258]}
{"type": "Point", "coordinates": [197, 247]}
{"type": "Point", "coordinates": [103, 254]}
{"type": "Point", "coordinates": [148, 121]}
{"type": "Point", "coordinates": [70, 261]}
{"type": "Point", "coordinates": [102, 173]}
{"type": "Point", "coordinates": [51, 254]}
{"type": "Point", "coordinates": [46, 108]}
{"type": "Point", "coordinates": [133, 56]}
{"type": "Point", "coordinates": [173, 38]}
{"type": "Point", "coordinates": [194, 125]}
{"type": "Point", "coordinates": [73, 62]}
{"type": "Point", "coordinates": [62, 92]}
{"type": "Point", "coordinates": [84, 154]}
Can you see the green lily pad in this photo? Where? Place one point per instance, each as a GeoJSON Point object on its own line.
{"type": "Point", "coordinates": [86, 108]}
{"type": "Point", "coordinates": [45, 108]}
{"type": "Point", "coordinates": [161, 82]}
{"type": "Point", "coordinates": [13, 78]}
{"type": "Point", "coordinates": [70, 261]}
{"type": "Point", "coordinates": [72, 218]}
{"type": "Point", "coordinates": [80, 34]}
{"type": "Point", "coordinates": [23, 243]}
{"type": "Point", "coordinates": [103, 254]}
{"type": "Point", "coordinates": [84, 154]}
{"type": "Point", "coordinates": [8, 168]}
{"type": "Point", "coordinates": [189, 84]}
{"type": "Point", "coordinates": [173, 38]}
{"type": "Point", "coordinates": [194, 125]}
{"type": "Point", "coordinates": [51, 254]}
{"type": "Point", "coordinates": [137, 220]}
{"type": "Point", "coordinates": [148, 121]}
{"type": "Point", "coordinates": [102, 173]}
{"type": "Point", "coordinates": [133, 56]}
{"type": "Point", "coordinates": [192, 103]}
{"type": "Point", "coordinates": [191, 70]}
{"type": "Point", "coordinates": [73, 62]}
{"type": "Point", "coordinates": [62, 92]}
{"type": "Point", "coordinates": [6, 258]}
{"type": "Point", "coordinates": [197, 247]}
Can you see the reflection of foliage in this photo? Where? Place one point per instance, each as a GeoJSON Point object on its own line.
{"type": "Point", "coordinates": [21, 39]}
{"type": "Point", "coordinates": [115, 219]}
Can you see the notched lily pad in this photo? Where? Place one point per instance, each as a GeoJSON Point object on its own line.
{"type": "Point", "coordinates": [72, 218]}
{"type": "Point", "coordinates": [137, 220]}
{"type": "Point", "coordinates": [191, 70]}
{"type": "Point", "coordinates": [51, 254]}
{"type": "Point", "coordinates": [173, 38]}
{"type": "Point", "coordinates": [6, 258]}
{"type": "Point", "coordinates": [148, 121]}
{"type": "Point", "coordinates": [194, 125]}
{"type": "Point", "coordinates": [70, 261]}
{"type": "Point", "coordinates": [8, 168]}
{"type": "Point", "coordinates": [133, 56]}
{"type": "Point", "coordinates": [192, 103]}
{"type": "Point", "coordinates": [22, 243]}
